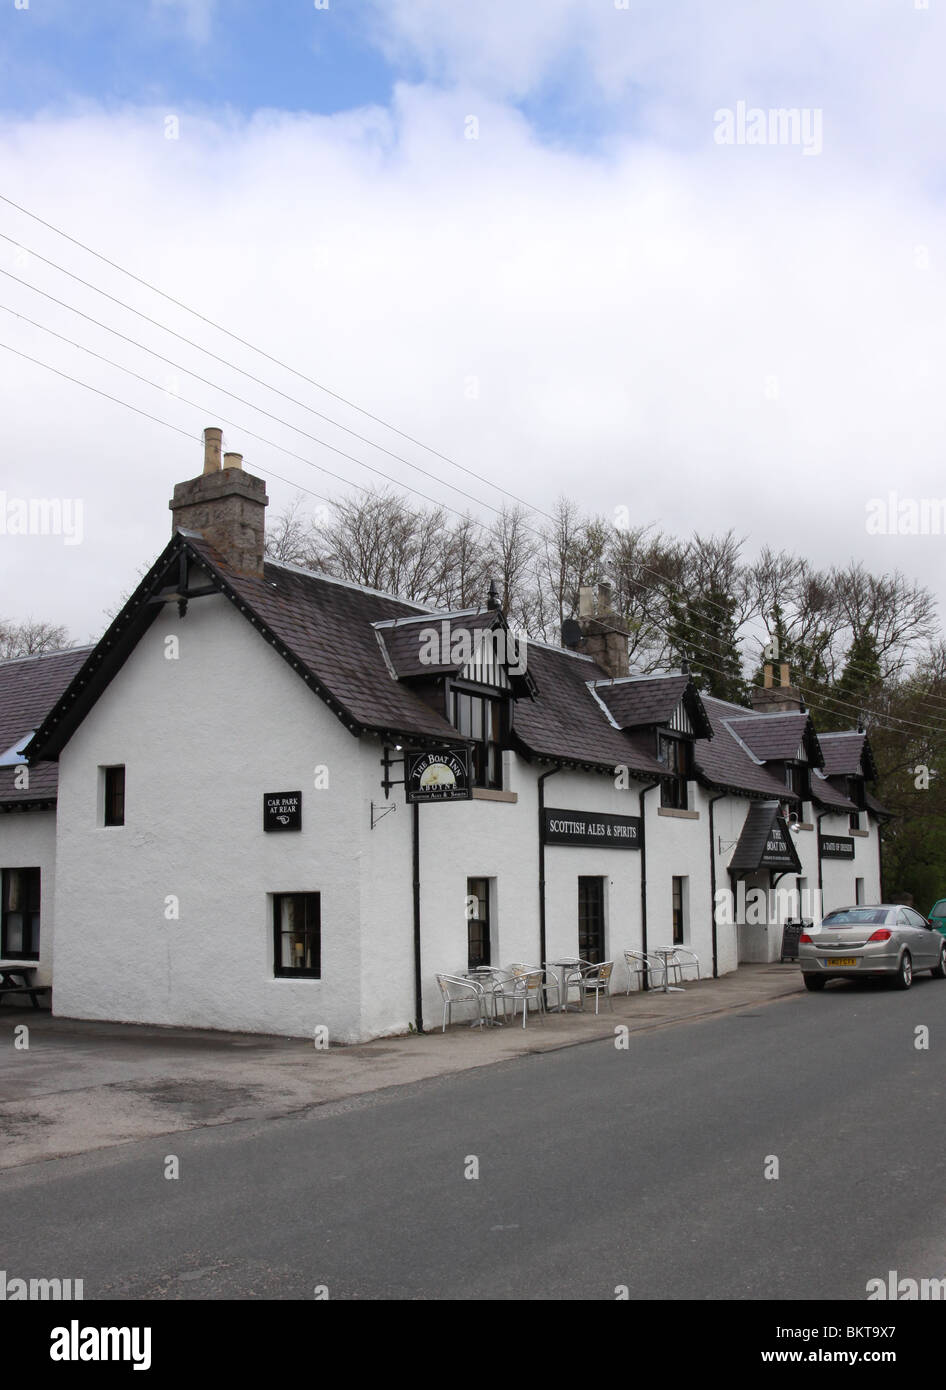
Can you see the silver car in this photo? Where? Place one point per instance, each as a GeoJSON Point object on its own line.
{"type": "Point", "coordinates": [885, 940]}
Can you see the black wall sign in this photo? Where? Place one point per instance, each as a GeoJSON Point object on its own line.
{"type": "Point", "coordinates": [591, 828]}
{"type": "Point", "coordinates": [837, 847]}
{"type": "Point", "coordinates": [440, 774]}
{"type": "Point", "coordinates": [282, 810]}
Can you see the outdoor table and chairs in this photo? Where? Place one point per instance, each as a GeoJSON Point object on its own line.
{"type": "Point", "coordinates": [679, 959]}
{"type": "Point", "coordinates": [17, 979]}
{"type": "Point", "coordinates": [667, 954]}
{"type": "Point", "coordinates": [570, 975]}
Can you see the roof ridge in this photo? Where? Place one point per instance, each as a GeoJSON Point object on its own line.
{"type": "Point", "coordinates": [320, 575]}
{"type": "Point", "coordinates": [42, 656]}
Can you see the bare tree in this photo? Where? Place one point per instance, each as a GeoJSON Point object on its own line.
{"type": "Point", "coordinates": [32, 638]}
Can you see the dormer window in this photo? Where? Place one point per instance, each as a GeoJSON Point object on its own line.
{"type": "Point", "coordinates": [479, 717]}
{"type": "Point", "coordinates": [675, 753]}
{"type": "Point", "coordinates": [798, 780]}
{"type": "Point", "coordinates": [855, 793]}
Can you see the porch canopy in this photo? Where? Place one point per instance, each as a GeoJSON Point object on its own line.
{"type": "Point", "coordinates": [765, 842]}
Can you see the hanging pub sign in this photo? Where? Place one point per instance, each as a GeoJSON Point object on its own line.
{"type": "Point", "coordinates": [778, 852]}
{"type": "Point", "coordinates": [837, 847]}
{"type": "Point", "coordinates": [438, 774]}
{"type": "Point", "coordinates": [282, 810]}
{"type": "Point", "coordinates": [591, 828]}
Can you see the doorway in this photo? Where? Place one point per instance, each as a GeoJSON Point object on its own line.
{"type": "Point", "coordinates": [591, 919]}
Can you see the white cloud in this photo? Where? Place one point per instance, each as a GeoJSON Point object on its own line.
{"type": "Point", "coordinates": [625, 316]}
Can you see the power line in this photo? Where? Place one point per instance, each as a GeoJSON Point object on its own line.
{"type": "Point", "coordinates": [302, 405]}
{"type": "Point", "coordinates": [235, 424]}
{"type": "Point", "coordinates": [253, 348]}
{"type": "Point", "coordinates": [157, 420]}
{"type": "Point", "coordinates": [233, 367]}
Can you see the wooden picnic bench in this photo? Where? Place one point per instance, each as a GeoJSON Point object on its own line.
{"type": "Point", "coordinates": [9, 985]}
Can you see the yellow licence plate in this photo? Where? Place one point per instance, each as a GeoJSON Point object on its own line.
{"type": "Point", "coordinates": [841, 960]}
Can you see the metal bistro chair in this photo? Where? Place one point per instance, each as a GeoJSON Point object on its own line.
{"type": "Point", "coordinates": [597, 981]}
{"type": "Point", "coordinates": [640, 964]}
{"type": "Point", "coordinates": [458, 991]}
{"type": "Point", "coordinates": [523, 984]}
{"type": "Point", "coordinates": [679, 965]}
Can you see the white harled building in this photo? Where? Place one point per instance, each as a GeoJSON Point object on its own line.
{"type": "Point", "coordinates": [230, 845]}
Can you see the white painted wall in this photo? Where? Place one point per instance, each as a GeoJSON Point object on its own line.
{"type": "Point", "coordinates": [28, 841]}
{"type": "Point", "coordinates": [203, 738]}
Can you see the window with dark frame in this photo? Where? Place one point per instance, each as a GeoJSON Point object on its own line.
{"type": "Point", "coordinates": [477, 922]}
{"type": "Point", "coordinates": [678, 923]}
{"type": "Point", "coordinates": [855, 793]}
{"type": "Point", "coordinates": [480, 718]}
{"type": "Point", "coordinates": [675, 753]}
{"type": "Point", "coordinates": [20, 901]}
{"type": "Point", "coordinates": [114, 809]}
{"type": "Point", "coordinates": [297, 929]}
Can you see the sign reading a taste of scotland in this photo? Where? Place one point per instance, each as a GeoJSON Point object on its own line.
{"type": "Point", "coordinates": [282, 810]}
{"type": "Point", "coordinates": [439, 774]}
{"type": "Point", "coordinates": [837, 846]}
{"type": "Point", "coordinates": [596, 828]}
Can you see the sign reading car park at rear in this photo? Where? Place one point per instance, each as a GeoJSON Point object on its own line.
{"type": "Point", "coordinates": [592, 828]}
{"type": "Point", "coordinates": [837, 847]}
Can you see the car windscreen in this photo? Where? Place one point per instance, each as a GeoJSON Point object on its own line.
{"type": "Point", "coordinates": [939, 909]}
{"type": "Point", "coordinates": [856, 917]}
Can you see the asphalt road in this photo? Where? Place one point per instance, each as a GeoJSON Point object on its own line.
{"type": "Point", "coordinates": [597, 1168]}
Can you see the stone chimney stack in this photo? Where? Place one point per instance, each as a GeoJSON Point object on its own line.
{"type": "Point", "coordinates": [783, 698]}
{"type": "Point", "coordinates": [226, 505]}
{"type": "Point", "coordinates": [604, 631]}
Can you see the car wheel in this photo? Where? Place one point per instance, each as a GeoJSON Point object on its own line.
{"type": "Point", "coordinates": [939, 971]}
{"type": "Point", "coordinates": [905, 972]}
{"type": "Point", "coordinates": [815, 982]}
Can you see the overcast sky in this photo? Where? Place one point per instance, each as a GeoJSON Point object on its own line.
{"type": "Point", "coordinates": [513, 228]}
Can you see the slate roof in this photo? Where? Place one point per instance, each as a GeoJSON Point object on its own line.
{"type": "Point", "coordinates": [848, 755]}
{"type": "Point", "coordinates": [776, 737]}
{"type": "Point", "coordinates": [404, 642]}
{"type": "Point", "coordinates": [643, 701]}
{"type": "Point", "coordinates": [725, 763]}
{"type": "Point", "coordinates": [827, 794]}
{"type": "Point", "coordinates": [354, 647]}
{"type": "Point", "coordinates": [29, 687]}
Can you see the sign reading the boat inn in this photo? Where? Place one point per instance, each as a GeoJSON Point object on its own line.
{"type": "Point", "coordinates": [837, 847]}
{"type": "Point", "coordinates": [592, 828]}
{"type": "Point", "coordinates": [282, 810]}
{"type": "Point", "coordinates": [439, 774]}
{"type": "Point", "coordinates": [778, 852]}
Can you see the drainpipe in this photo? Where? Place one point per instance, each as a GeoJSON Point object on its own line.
{"type": "Point", "coordinates": [820, 870]}
{"type": "Point", "coordinates": [418, 987]}
{"type": "Point", "coordinates": [712, 829]}
{"type": "Point", "coordinates": [551, 773]}
{"type": "Point", "coordinates": [640, 801]}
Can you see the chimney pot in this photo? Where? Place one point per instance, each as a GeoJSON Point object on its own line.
{"type": "Point", "coordinates": [213, 443]}
{"type": "Point", "coordinates": [233, 460]}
